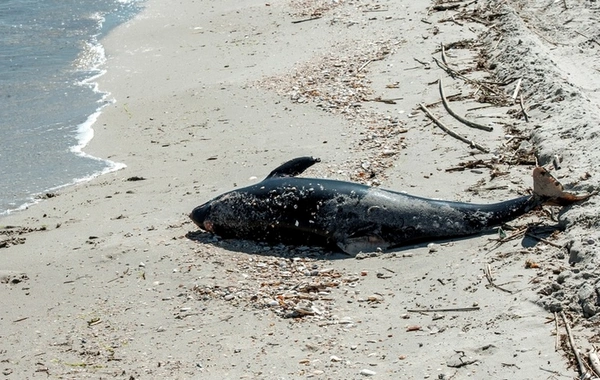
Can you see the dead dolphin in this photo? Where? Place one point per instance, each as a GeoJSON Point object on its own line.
{"type": "Point", "coordinates": [356, 218]}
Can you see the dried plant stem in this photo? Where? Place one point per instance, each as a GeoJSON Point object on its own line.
{"type": "Point", "coordinates": [488, 274]}
{"type": "Point", "coordinates": [525, 115]}
{"type": "Point", "coordinates": [557, 341]}
{"type": "Point", "coordinates": [455, 73]}
{"type": "Point", "coordinates": [443, 54]}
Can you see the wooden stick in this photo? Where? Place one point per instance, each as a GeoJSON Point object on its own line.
{"type": "Point", "coordinates": [306, 19]}
{"type": "Point", "coordinates": [582, 369]}
{"type": "Point", "coordinates": [543, 240]}
{"type": "Point", "coordinates": [474, 308]}
{"type": "Point", "coordinates": [458, 117]}
{"type": "Point", "coordinates": [452, 133]}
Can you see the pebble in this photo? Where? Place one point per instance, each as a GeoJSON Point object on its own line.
{"type": "Point", "coordinates": [229, 297]}
{"type": "Point", "coordinates": [161, 329]}
{"type": "Point", "coordinates": [271, 302]}
{"type": "Point", "coordinates": [142, 265]}
{"type": "Point", "coordinates": [367, 372]}
{"type": "Point", "coordinates": [334, 358]}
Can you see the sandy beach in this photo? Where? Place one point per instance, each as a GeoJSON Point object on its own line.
{"type": "Point", "coordinates": [111, 279]}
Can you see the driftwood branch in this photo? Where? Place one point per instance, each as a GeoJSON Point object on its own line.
{"type": "Point", "coordinates": [474, 308]}
{"type": "Point", "coordinates": [451, 132]}
{"type": "Point", "coordinates": [458, 117]}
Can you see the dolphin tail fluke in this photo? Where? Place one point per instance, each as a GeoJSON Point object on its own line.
{"type": "Point", "coordinates": [293, 167]}
{"type": "Point", "coordinates": [547, 187]}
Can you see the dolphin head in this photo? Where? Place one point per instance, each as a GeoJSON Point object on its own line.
{"type": "Point", "coordinates": [200, 216]}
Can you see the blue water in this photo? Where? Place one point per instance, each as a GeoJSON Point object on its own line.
{"type": "Point", "coordinates": [50, 56]}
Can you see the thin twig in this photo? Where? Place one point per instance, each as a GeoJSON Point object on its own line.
{"type": "Point", "coordinates": [458, 117]}
{"type": "Point", "coordinates": [543, 240]}
{"type": "Point", "coordinates": [525, 115]}
{"type": "Point", "coordinates": [426, 64]}
{"type": "Point", "coordinates": [381, 100]}
{"type": "Point", "coordinates": [589, 38]}
{"type": "Point", "coordinates": [439, 101]}
{"type": "Point", "coordinates": [488, 274]}
{"type": "Point", "coordinates": [452, 133]}
{"type": "Point", "coordinates": [364, 65]}
{"type": "Point", "coordinates": [557, 341]}
{"type": "Point", "coordinates": [582, 369]}
{"type": "Point", "coordinates": [453, 73]}
{"type": "Point", "coordinates": [306, 19]}
{"type": "Point", "coordinates": [473, 308]}
{"type": "Point", "coordinates": [497, 43]}
{"type": "Point", "coordinates": [444, 54]}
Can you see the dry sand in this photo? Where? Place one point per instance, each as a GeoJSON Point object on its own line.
{"type": "Point", "coordinates": [109, 279]}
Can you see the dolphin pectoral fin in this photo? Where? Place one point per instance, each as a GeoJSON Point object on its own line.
{"type": "Point", "coordinates": [548, 187]}
{"type": "Point", "coordinates": [354, 245]}
{"type": "Point", "coordinates": [293, 167]}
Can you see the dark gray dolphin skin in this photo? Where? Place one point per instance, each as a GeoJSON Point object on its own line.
{"type": "Point", "coordinates": [356, 218]}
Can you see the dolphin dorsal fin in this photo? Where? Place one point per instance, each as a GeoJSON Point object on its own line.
{"type": "Point", "coordinates": [293, 167]}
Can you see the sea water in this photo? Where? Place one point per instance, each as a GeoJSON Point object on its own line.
{"type": "Point", "coordinates": [50, 56]}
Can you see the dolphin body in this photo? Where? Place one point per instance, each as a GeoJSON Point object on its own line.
{"type": "Point", "coordinates": [356, 218]}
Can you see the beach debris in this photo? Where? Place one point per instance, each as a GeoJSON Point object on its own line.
{"type": "Point", "coordinates": [47, 195]}
{"type": "Point", "coordinates": [290, 288]}
{"type": "Point", "coordinates": [367, 372]}
{"type": "Point", "coordinates": [442, 310]}
{"type": "Point", "coordinates": [451, 132]}
{"type": "Point", "coordinates": [12, 277]}
{"type": "Point", "coordinates": [460, 359]}
{"type": "Point", "coordinates": [337, 82]}
{"type": "Point", "coordinates": [488, 275]}
{"type": "Point", "coordinates": [583, 372]}
{"type": "Point", "coordinates": [457, 116]}
{"type": "Point", "coordinates": [13, 235]}
{"type": "Point", "coordinates": [135, 178]}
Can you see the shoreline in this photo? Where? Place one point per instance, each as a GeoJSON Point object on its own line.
{"type": "Point", "coordinates": [110, 278]}
{"type": "Point", "coordinates": [85, 69]}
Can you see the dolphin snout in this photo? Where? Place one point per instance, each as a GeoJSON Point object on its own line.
{"type": "Point", "coordinates": [199, 216]}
